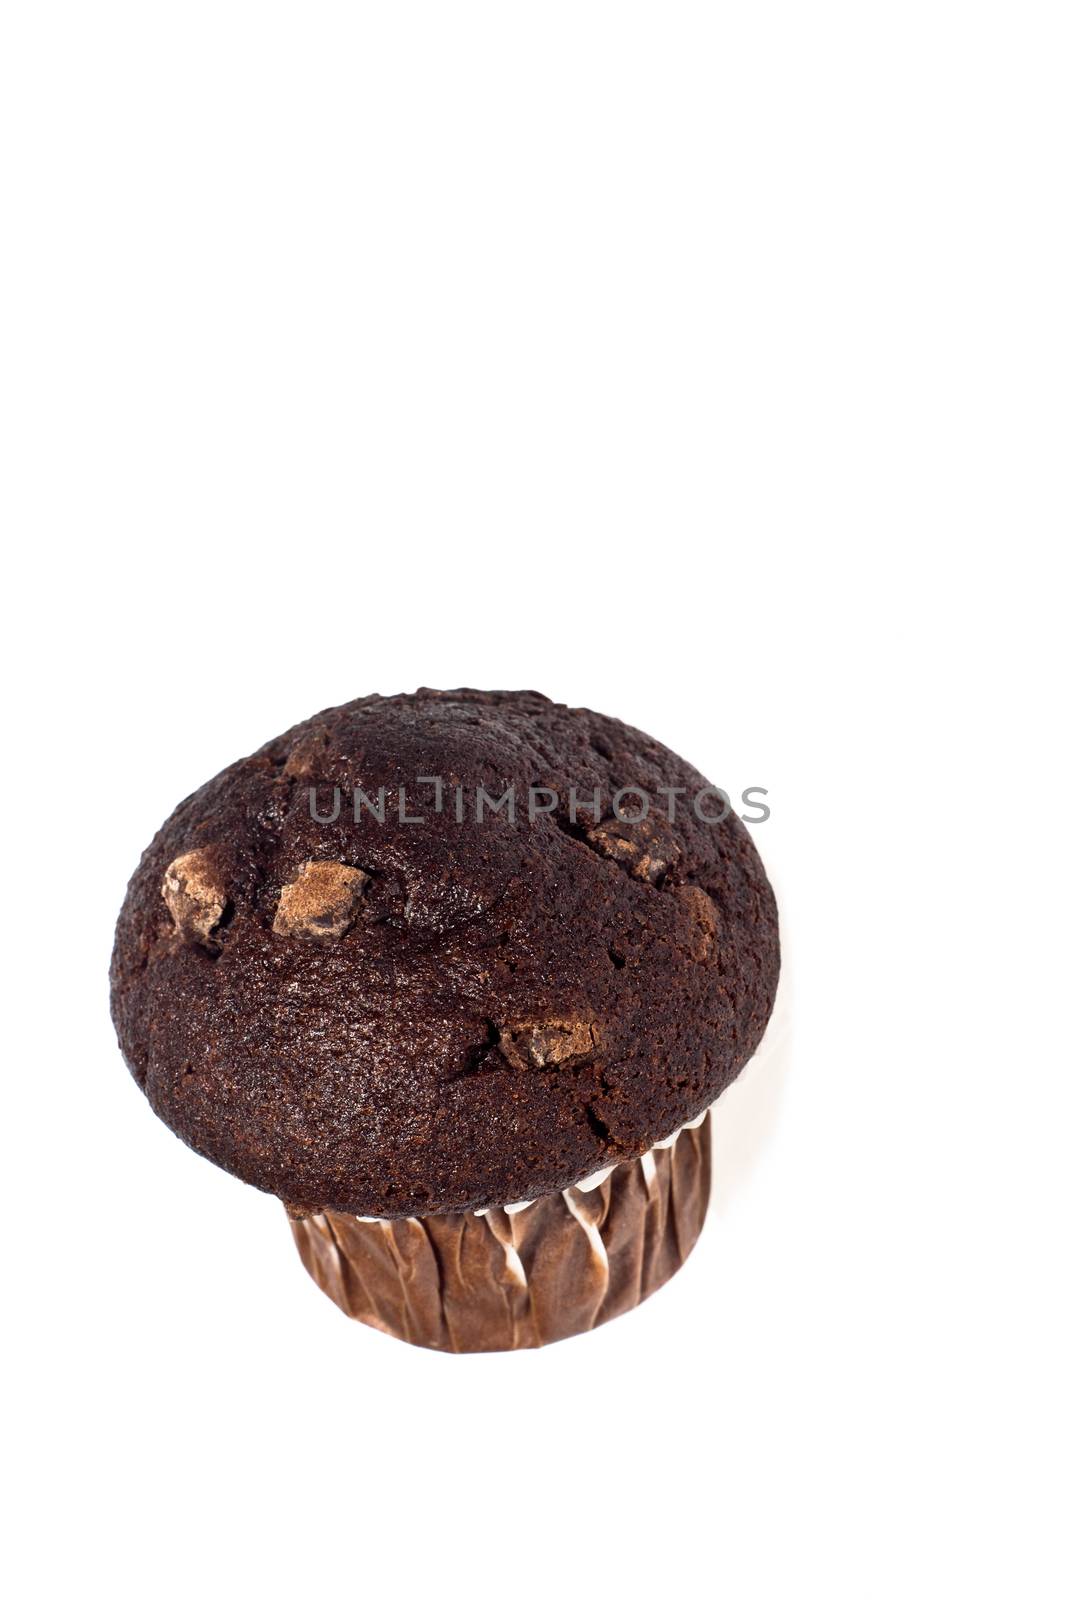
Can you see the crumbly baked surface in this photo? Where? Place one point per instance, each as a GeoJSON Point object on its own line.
{"type": "Point", "coordinates": [400, 1018]}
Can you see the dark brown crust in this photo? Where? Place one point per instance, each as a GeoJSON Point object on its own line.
{"type": "Point", "coordinates": [511, 1006]}
{"type": "Point", "coordinates": [498, 1282]}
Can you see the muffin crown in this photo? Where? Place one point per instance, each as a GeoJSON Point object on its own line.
{"type": "Point", "coordinates": [411, 958]}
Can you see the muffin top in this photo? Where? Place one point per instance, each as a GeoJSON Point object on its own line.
{"type": "Point", "coordinates": [355, 972]}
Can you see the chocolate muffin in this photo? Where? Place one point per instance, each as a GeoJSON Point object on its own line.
{"type": "Point", "coordinates": [456, 975]}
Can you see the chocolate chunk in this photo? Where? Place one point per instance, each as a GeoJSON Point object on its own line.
{"type": "Point", "coordinates": [307, 756]}
{"type": "Point", "coordinates": [195, 895]}
{"type": "Point", "coordinates": [702, 926]}
{"type": "Point", "coordinates": [321, 902]}
{"type": "Point", "coordinates": [559, 1043]}
{"type": "Point", "coordinates": [643, 848]}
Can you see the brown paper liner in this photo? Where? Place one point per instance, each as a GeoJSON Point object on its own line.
{"type": "Point", "coordinates": [567, 1263]}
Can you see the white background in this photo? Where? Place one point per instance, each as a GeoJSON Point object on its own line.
{"type": "Point", "coordinates": [707, 365]}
